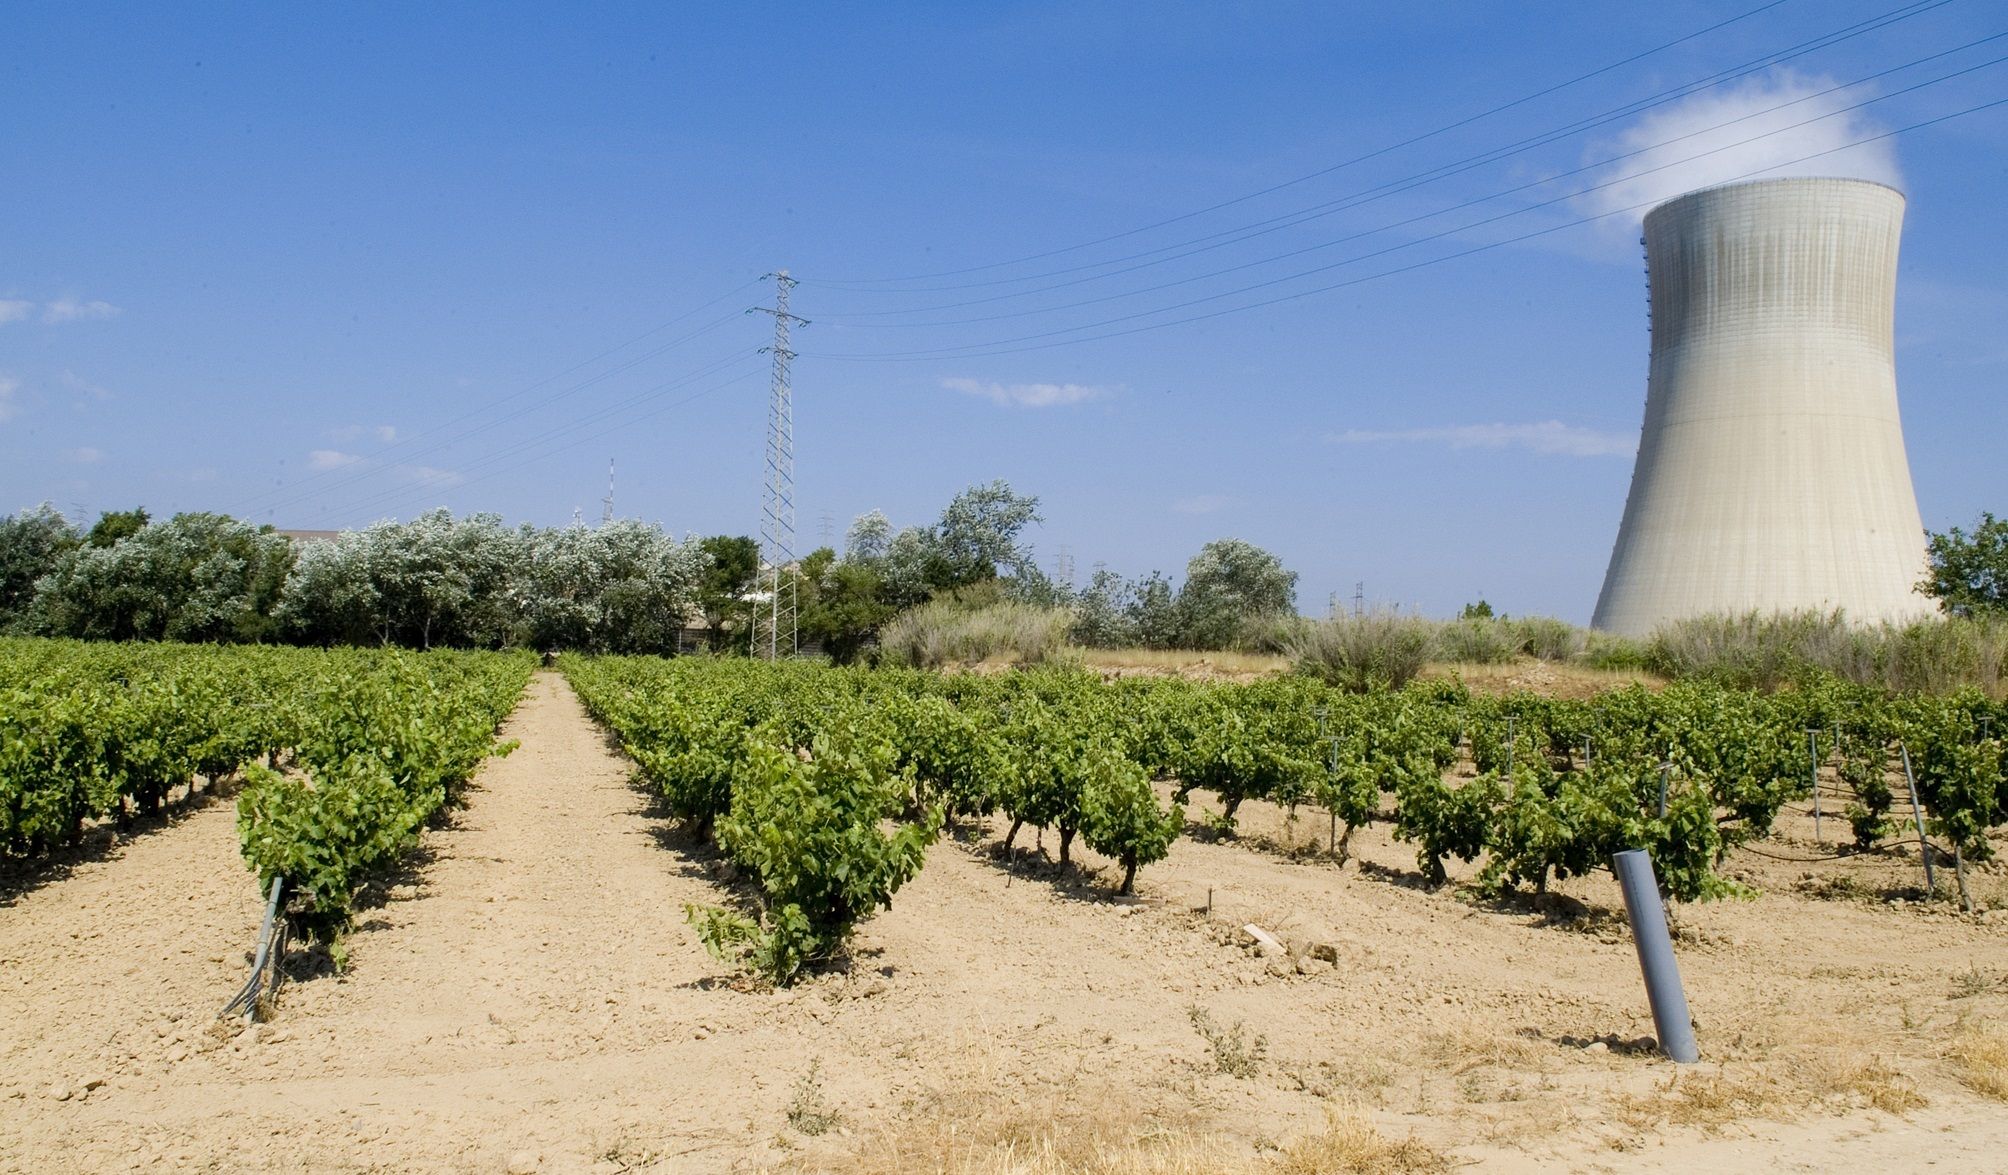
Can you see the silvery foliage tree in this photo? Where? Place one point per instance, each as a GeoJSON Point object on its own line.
{"type": "Point", "coordinates": [1228, 583]}
{"type": "Point", "coordinates": [433, 580]}
{"type": "Point", "coordinates": [195, 577]}
{"type": "Point", "coordinates": [625, 587]}
{"type": "Point", "coordinates": [32, 544]}
{"type": "Point", "coordinates": [438, 580]}
{"type": "Point", "coordinates": [979, 536]}
{"type": "Point", "coordinates": [869, 538]}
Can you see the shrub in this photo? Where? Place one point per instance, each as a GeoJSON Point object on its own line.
{"type": "Point", "coordinates": [943, 631]}
{"type": "Point", "coordinates": [1475, 641]}
{"type": "Point", "coordinates": [1358, 653]}
{"type": "Point", "coordinates": [1548, 638]}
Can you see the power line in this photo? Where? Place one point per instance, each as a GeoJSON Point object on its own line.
{"type": "Point", "coordinates": [1488, 198]}
{"type": "Point", "coordinates": [999, 347]}
{"type": "Point", "coordinates": [401, 492]}
{"type": "Point", "coordinates": [1374, 154]}
{"type": "Point", "coordinates": [264, 500]}
{"type": "Point", "coordinates": [1244, 232]}
{"type": "Point", "coordinates": [294, 492]}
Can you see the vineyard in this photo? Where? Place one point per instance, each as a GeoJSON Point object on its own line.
{"type": "Point", "coordinates": [711, 914]}
{"type": "Point", "coordinates": [794, 770]}
{"type": "Point", "coordinates": [374, 744]}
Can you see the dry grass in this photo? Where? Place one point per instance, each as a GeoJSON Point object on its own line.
{"type": "Point", "coordinates": [1979, 1054]}
{"type": "Point", "coordinates": [1548, 678]}
{"type": "Point", "coordinates": [1468, 1046]}
{"type": "Point", "coordinates": [1710, 1100]}
{"type": "Point", "coordinates": [1872, 1082]}
{"type": "Point", "coordinates": [981, 1128]}
{"type": "Point", "coordinates": [1184, 662]}
{"type": "Point", "coordinates": [1349, 1143]}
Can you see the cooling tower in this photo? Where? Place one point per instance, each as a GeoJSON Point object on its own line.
{"type": "Point", "coordinates": [1771, 473]}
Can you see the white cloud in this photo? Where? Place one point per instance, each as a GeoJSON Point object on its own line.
{"type": "Point", "coordinates": [349, 432]}
{"type": "Point", "coordinates": [76, 310]}
{"type": "Point", "coordinates": [1735, 132]}
{"type": "Point", "coordinates": [426, 475]}
{"type": "Point", "coordinates": [84, 456]}
{"type": "Point", "coordinates": [1202, 504]}
{"type": "Point", "coordinates": [83, 387]}
{"type": "Point", "coordinates": [14, 310]}
{"type": "Point", "coordinates": [8, 386]}
{"type": "Point", "coordinates": [330, 459]}
{"type": "Point", "coordinates": [1548, 436]}
{"type": "Point", "coordinates": [1024, 395]}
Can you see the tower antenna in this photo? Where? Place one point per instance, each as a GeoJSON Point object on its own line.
{"type": "Point", "coordinates": [607, 503]}
{"type": "Point", "coordinates": [774, 633]}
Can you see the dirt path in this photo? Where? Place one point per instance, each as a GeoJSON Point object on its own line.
{"type": "Point", "coordinates": [537, 1001]}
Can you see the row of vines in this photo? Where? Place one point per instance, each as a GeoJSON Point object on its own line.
{"type": "Point", "coordinates": [344, 753]}
{"type": "Point", "coordinates": [827, 785]}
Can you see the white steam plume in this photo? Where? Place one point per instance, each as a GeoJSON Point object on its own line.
{"type": "Point", "coordinates": [1701, 141]}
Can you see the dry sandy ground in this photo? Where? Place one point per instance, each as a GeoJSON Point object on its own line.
{"type": "Point", "coordinates": [535, 1000]}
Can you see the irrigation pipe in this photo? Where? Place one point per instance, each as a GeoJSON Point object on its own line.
{"type": "Point", "coordinates": [257, 988]}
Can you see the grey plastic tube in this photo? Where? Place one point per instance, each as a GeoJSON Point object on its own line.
{"type": "Point", "coordinates": [1670, 1018]}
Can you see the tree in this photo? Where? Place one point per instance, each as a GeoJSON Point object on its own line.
{"type": "Point", "coordinates": [114, 525]}
{"type": "Point", "coordinates": [724, 585]}
{"type": "Point", "coordinates": [625, 587]}
{"type": "Point", "coordinates": [843, 604]}
{"type": "Point", "coordinates": [195, 577]}
{"type": "Point", "coordinates": [1969, 572]}
{"type": "Point", "coordinates": [1154, 613]}
{"type": "Point", "coordinates": [867, 539]}
{"type": "Point", "coordinates": [1228, 583]}
{"type": "Point", "coordinates": [1102, 617]}
{"type": "Point", "coordinates": [32, 543]}
{"type": "Point", "coordinates": [1479, 611]}
{"type": "Point", "coordinates": [978, 536]}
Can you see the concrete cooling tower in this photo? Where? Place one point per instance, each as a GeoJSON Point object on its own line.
{"type": "Point", "coordinates": [1771, 474]}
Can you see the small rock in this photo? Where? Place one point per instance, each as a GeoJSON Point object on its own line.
{"type": "Point", "coordinates": [876, 987]}
{"type": "Point", "coordinates": [702, 1034]}
{"type": "Point", "coordinates": [1279, 967]}
{"type": "Point", "coordinates": [1325, 951]}
{"type": "Point", "coordinates": [1312, 965]}
{"type": "Point", "coordinates": [1596, 1046]}
{"type": "Point", "coordinates": [177, 1054]}
{"type": "Point", "coordinates": [249, 1037]}
{"type": "Point", "coordinates": [93, 1083]}
{"type": "Point", "coordinates": [523, 1163]}
{"type": "Point", "coordinates": [61, 1092]}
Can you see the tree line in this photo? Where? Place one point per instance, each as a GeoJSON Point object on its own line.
{"type": "Point", "coordinates": [622, 587]}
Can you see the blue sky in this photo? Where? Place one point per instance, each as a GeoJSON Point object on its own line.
{"type": "Point", "coordinates": [316, 267]}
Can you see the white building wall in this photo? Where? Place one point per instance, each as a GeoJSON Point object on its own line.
{"type": "Point", "coordinates": [1771, 473]}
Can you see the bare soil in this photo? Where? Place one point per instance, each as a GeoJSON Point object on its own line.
{"type": "Point", "coordinates": [530, 997]}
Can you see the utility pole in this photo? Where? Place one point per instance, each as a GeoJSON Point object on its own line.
{"type": "Point", "coordinates": [1063, 566]}
{"type": "Point", "coordinates": [773, 635]}
{"type": "Point", "coordinates": [1360, 597]}
{"type": "Point", "coordinates": [607, 503]}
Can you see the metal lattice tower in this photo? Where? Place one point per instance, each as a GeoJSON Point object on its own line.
{"type": "Point", "coordinates": [607, 503]}
{"type": "Point", "coordinates": [774, 634]}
